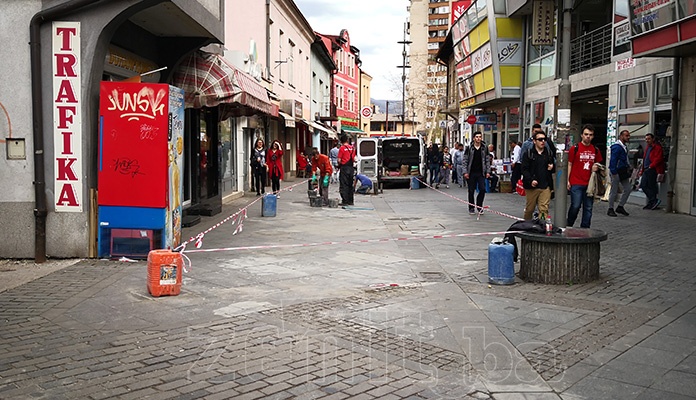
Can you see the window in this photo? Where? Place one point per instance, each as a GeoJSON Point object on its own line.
{"type": "Point", "coordinates": [542, 61]}
{"type": "Point", "coordinates": [634, 94]}
{"type": "Point", "coordinates": [664, 90]}
{"type": "Point", "coordinates": [279, 62]}
{"type": "Point", "coordinates": [291, 63]}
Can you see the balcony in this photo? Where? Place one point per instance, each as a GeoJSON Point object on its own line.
{"type": "Point", "coordinates": [591, 50]}
{"type": "Point", "coordinates": [328, 112]}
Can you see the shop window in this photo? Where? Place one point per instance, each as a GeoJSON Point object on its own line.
{"type": "Point", "coordinates": [664, 90]}
{"type": "Point", "coordinates": [499, 7]}
{"type": "Point", "coordinates": [481, 9]}
{"type": "Point", "coordinates": [634, 95]}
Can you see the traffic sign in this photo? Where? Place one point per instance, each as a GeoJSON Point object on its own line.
{"type": "Point", "coordinates": [471, 119]}
{"type": "Point", "coordinates": [366, 111]}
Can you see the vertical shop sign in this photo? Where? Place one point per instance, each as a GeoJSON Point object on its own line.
{"type": "Point", "coordinates": [542, 19]}
{"type": "Point", "coordinates": [458, 9]}
{"type": "Point", "coordinates": [67, 116]}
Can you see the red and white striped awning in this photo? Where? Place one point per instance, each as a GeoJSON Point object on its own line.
{"type": "Point", "coordinates": [209, 80]}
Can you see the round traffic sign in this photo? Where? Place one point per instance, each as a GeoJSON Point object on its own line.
{"type": "Point", "coordinates": [366, 111]}
{"type": "Point", "coordinates": [471, 119]}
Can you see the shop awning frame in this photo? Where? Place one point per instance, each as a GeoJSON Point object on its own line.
{"type": "Point", "coordinates": [330, 133]}
{"type": "Point", "coordinates": [209, 80]}
{"type": "Point", "coordinates": [352, 129]}
{"type": "Point", "coordinates": [289, 119]}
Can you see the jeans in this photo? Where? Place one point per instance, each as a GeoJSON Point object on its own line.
{"type": "Point", "coordinates": [460, 175]}
{"type": "Point", "coordinates": [434, 173]}
{"type": "Point", "coordinates": [258, 180]}
{"type": "Point", "coordinates": [345, 181]}
{"type": "Point", "coordinates": [444, 175]}
{"type": "Point", "coordinates": [579, 197]}
{"type": "Point", "coordinates": [649, 185]}
{"type": "Point", "coordinates": [615, 182]}
{"type": "Point", "coordinates": [476, 181]}
{"type": "Point", "coordinates": [516, 175]}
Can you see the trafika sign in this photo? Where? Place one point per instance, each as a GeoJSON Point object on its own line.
{"type": "Point", "coordinates": [67, 116]}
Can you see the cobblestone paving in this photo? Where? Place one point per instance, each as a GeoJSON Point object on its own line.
{"type": "Point", "coordinates": [301, 351]}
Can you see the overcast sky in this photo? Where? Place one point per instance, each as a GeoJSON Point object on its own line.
{"type": "Point", "coordinates": [374, 27]}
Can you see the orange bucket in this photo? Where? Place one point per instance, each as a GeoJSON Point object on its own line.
{"type": "Point", "coordinates": [164, 271]}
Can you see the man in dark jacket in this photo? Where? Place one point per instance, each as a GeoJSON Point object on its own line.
{"type": "Point", "coordinates": [537, 167]}
{"type": "Point", "coordinates": [620, 171]}
{"type": "Point", "coordinates": [477, 168]}
{"type": "Point", "coordinates": [653, 166]}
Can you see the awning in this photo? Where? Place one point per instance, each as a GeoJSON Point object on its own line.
{"type": "Point", "coordinates": [289, 119]}
{"type": "Point", "coordinates": [348, 128]}
{"type": "Point", "coordinates": [330, 133]}
{"type": "Point", "coordinates": [209, 80]}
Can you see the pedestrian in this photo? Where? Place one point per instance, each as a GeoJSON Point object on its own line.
{"type": "Point", "coordinates": [258, 168]}
{"type": "Point", "coordinates": [537, 170]}
{"type": "Point", "coordinates": [346, 157]}
{"type": "Point", "coordinates": [652, 172]}
{"type": "Point", "coordinates": [476, 170]}
{"type": "Point", "coordinates": [274, 160]}
{"type": "Point", "coordinates": [365, 184]}
{"type": "Point", "coordinates": [433, 163]}
{"type": "Point", "coordinates": [321, 163]}
{"type": "Point", "coordinates": [581, 164]}
{"type": "Point", "coordinates": [493, 180]}
{"type": "Point", "coordinates": [620, 170]}
{"type": "Point", "coordinates": [453, 171]}
{"type": "Point", "coordinates": [458, 164]}
{"type": "Point", "coordinates": [333, 156]}
{"type": "Point", "coordinates": [445, 168]}
{"type": "Point", "coordinates": [516, 161]}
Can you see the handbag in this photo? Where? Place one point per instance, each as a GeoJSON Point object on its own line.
{"type": "Point", "coordinates": [520, 188]}
{"type": "Point", "coordinates": [623, 173]}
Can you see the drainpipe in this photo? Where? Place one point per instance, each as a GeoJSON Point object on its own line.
{"type": "Point", "coordinates": [672, 162]}
{"type": "Point", "coordinates": [268, 39]}
{"type": "Point", "coordinates": [40, 209]}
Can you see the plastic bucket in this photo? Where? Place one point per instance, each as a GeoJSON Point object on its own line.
{"type": "Point", "coordinates": [164, 273]}
{"type": "Point", "coordinates": [316, 201]}
{"type": "Point", "coordinates": [415, 183]}
{"type": "Point", "coordinates": [501, 266]}
{"type": "Point", "coordinates": [269, 205]}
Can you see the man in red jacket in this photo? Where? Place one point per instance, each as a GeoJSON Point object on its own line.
{"type": "Point", "coordinates": [346, 157]}
{"type": "Point", "coordinates": [322, 163]}
{"type": "Point", "coordinates": [653, 167]}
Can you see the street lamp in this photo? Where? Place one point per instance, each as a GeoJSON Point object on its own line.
{"type": "Point", "coordinates": [403, 67]}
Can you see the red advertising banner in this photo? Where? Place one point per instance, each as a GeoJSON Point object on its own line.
{"type": "Point", "coordinates": [458, 9]}
{"type": "Point", "coordinates": [133, 144]}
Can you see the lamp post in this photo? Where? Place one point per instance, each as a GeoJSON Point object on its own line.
{"type": "Point", "coordinates": [403, 67]}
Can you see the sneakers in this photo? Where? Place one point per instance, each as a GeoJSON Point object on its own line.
{"type": "Point", "coordinates": [446, 186]}
{"type": "Point", "coordinates": [656, 204]}
{"type": "Point", "coordinates": [620, 210]}
{"type": "Point", "coordinates": [472, 211]}
{"type": "Point", "coordinates": [611, 213]}
{"type": "Point", "coordinates": [648, 206]}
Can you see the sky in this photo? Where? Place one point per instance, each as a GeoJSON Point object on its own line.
{"type": "Point", "coordinates": [375, 27]}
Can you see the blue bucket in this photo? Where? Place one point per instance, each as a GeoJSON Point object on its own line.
{"type": "Point", "coordinates": [501, 266]}
{"type": "Point", "coordinates": [415, 184]}
{"type": "Point", "coordinates": [268, 205]}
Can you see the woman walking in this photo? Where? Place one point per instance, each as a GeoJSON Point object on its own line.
{"type": "Point", "coordinates": [445, 168]}
{"type": "Point", "coordinates": [258, 168]}
{"type": "Point", "coordinates": [274, 161]}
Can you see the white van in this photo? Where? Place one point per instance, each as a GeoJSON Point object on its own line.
{"type": "Point", "coordinates": [391, 159]}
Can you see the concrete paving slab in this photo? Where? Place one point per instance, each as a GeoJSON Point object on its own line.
{"type": "Point", "coordinates": [631, 373]}
{"type": "Point", "coordinates": [600, 388]}
{"type": "Point", "coordinates": [677, 382]}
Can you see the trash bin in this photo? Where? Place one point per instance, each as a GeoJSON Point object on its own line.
{"type": "Point", "coordinates": [164, 270]}
{"type": "Point", "coordinates": [268, 205]}
{"type": "Point", "coordinates": [501, 266]}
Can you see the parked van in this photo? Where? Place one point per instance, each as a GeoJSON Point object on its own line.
{"type": "Point", "coordinates": [391, 159]}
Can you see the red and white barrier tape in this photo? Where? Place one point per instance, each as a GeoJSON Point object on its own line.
{"type": "Point", "coordinates": [485, 208]}
{"type": "Point", "coordinates": [361, 241]}
{"type": "Point", "coordinates": [237, 218]}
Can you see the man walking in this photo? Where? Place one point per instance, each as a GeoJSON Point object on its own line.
{"type": "Point", "coordinates": [458, 164]}
{"type": "Point", "coordinates": [493, 180]}
{"type": "Point", "coordinates": [581, 160]}
{"type": "Point", "coordinates": [477, 168]}
{"type": "Point", "coordinates": [333, 156]}
{"type": "Point", "coordinates": [323, 164]}
{"type": "Point", "coordinates": [620, 171]}
{"type": "Point", "coordinates": [653, 166]}
{"type": "Point", "coordinates": [537, 167]}
{"type": "Point", "coordinates": [346, 156]}
{"type": "Point", "coordinates": [516, 161]}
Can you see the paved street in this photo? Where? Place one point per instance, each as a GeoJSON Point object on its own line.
{"type": "Point", "coordinates": [381, 319]}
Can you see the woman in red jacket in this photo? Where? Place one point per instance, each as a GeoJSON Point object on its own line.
{"type": "Point", "coordinates": [274, 160]}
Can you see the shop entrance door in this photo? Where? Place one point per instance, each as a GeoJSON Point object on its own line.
{"type": "Point", "coordinates": [248, 144]}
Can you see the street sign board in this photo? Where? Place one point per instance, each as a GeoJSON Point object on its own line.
{"type": "Point", "coordinates": [366, 111]}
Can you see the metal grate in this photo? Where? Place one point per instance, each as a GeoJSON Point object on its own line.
{"type": "Point", "coordinates": [591, 50]}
